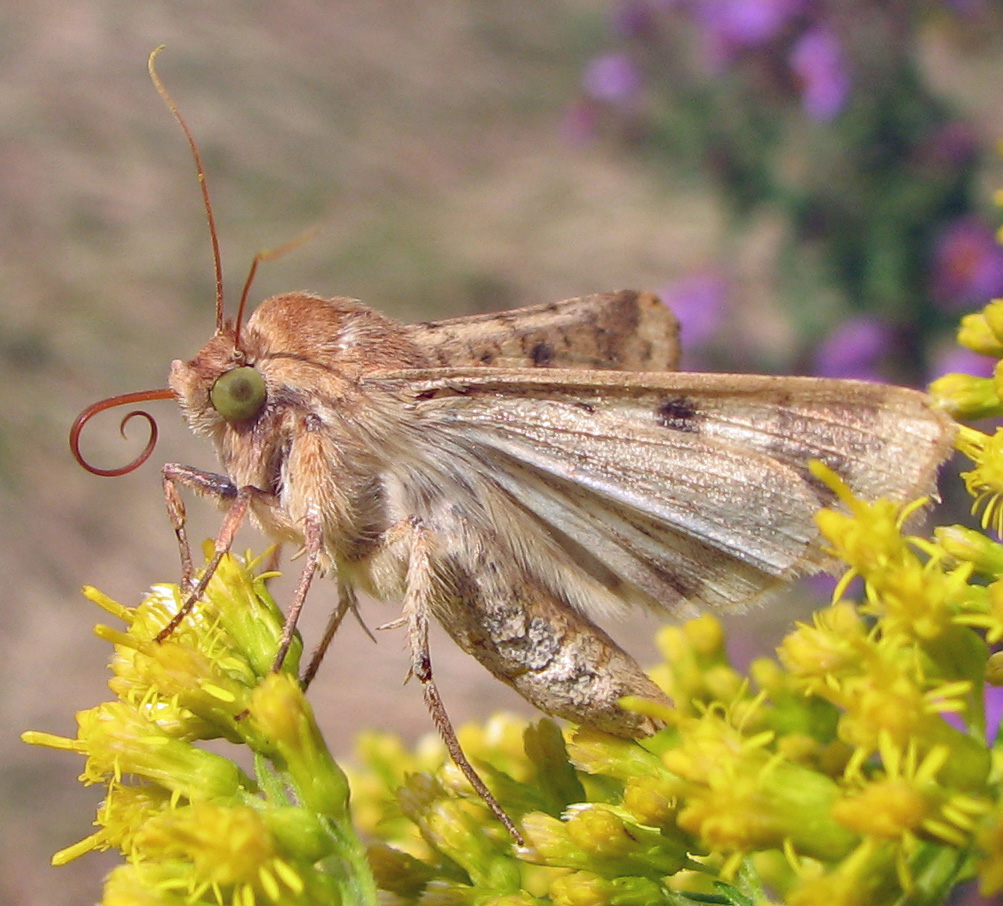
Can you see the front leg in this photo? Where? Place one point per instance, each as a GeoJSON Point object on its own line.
{"type": "Point", "coordinates": [419, 588]}
{"type": "Point", "coordinates": [206, 484]}
{"type": "Point", "coordinates": [312, 545]}
{"type": "Point", "coordinates": [222, 490]}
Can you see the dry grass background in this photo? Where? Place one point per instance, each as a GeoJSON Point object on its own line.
{"type": "Point", "coordinates": [424, 140]}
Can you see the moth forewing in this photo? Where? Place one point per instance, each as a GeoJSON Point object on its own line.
{"type": "Point", "coordinates": [891, 438]}
{"type": "Point", "coordinates": [624, 330]}
{"type": "Point", "coordinates": [680, 489]}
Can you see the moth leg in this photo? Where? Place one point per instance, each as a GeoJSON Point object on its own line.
{"type": "Point", "coordinates": [207, 484]}
{"type": "Point", "coordinates": [222, 489]}
{"type": "Point", "coordinates": [313, 542]}
{"type": "Point", "coordinates": [417, 593]}
{"type": "Point", "coordinates": [346, 603]}
{"type": "Point", "coordinates": [176, 513]}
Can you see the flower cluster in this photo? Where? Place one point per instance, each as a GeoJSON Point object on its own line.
{"type": "Point", "coordinates": [193, 826]}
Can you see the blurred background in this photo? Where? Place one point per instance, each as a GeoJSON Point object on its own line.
{"type": "Point", "coordinates": [810, 185]}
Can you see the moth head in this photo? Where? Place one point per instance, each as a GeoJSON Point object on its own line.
{"type": "Point", "coordinates": [220, 387]}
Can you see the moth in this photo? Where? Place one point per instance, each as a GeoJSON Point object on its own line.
{"type": "Point", "coordinates": [516, 476]}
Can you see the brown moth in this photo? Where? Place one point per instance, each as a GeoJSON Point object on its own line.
{"type": "Point", "coordinates": [516, 475]}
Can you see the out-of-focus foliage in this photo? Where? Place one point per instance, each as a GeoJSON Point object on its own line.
{"type": "Point", "coordinates": [825, 117]}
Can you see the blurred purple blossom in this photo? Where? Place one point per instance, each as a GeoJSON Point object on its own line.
{"type": "Point", "coordinates": [958, 360]}
{"type": "Point", "coordinates": [747, 23]}
{"type": "Point", "coordinates": [994, 710]}
{"type": "Point", "coordinates": [967, 264]}
{"type": "Point", "coordinates": [698, 301]}
{"type": "Point", "coordinates": [730, 26]}
{"type": "Point", "coordinates": [821, 585]}
{"type": "Point", "coordinates": [993, 703]}
{"type": "Point", "coordinates": [855, 349]}
{"type": "Point", "coordinates": [613, 78]}
{"type": "Point", "coordinates": [819, 63]}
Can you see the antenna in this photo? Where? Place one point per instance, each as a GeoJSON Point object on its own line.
{"type": "Point", "coordinates": [217, 260]}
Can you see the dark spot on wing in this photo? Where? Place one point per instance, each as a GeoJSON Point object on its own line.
{"type": "Point", "coordinates": [678, 414]}
{"type": "Point", "coordinates": [542, 354]}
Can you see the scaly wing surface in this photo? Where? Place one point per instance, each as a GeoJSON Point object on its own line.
{"type": "Point", "coordinates": [679, 488]}
{"type": "Point", "coordinates": [624, 331]}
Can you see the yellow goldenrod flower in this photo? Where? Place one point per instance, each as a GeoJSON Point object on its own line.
{"type": "Point", "coordinates": [461, 829]}
{"type": "Point", "coordinates": [978, 331]}
{"type": "Point", "coordinates": [738, 795]}
{"type": "Point", "coordinates": [601, 839]}
{"type": "Point", "coordinates": [867, 877]}
{"type": "Point", "coordinates": [586, 888]}
{"type": "Point", "coordinates": [985, 481]}
{"type": "Point", "coordinates": [869, 537]}
{"type": "Point", "coordinates": [990, 841]}
{"type": "Point", "coordinates": [281, 720]}
{"type": "Point", "coordinates": [908, 799]}
{"type": "Point", "coordinates": [196, 827]}
{"type": "Point", "coordinates": [993, 314]}
{"type": "Point", "coordinates": [965, 396]}
{"type": "Point", "coordinates": [830, 648]}
{"type": "Point", "coordinates": [964, 545]}
{"type": "Point", "coordinates": [916, 599]}
{"type": "Point", "coordinates": [696, 667]}
{"type": "Point", "coordinates": [229, 847]}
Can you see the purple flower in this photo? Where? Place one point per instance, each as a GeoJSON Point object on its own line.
{"type": "Point", "coordinates": [733, 25]}
{"type": "Point", "coordinates": [818, 61]}
{"type": "Point", "coordinates": [748, 23]}
{"type": "Point", "coordinates": [993, 701]}
{"type": "Point", "coordinates": [855, 350]}
{"type": "Point", "coordinates": [698, 301]}
{"type": "Point", "coordinates": [822, 586]}
{"type": "Point", "coordinates": [967, 265]}
{"type": "Point", "coordinates": [994, 710]}
{"type": "Point", "coordinates": [613, 78]}
{"type": "Point", "coordinates": [958, 360]}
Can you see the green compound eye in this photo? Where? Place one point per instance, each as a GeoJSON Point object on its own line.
{"type": "Point", "coordinates": [239, 394]}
